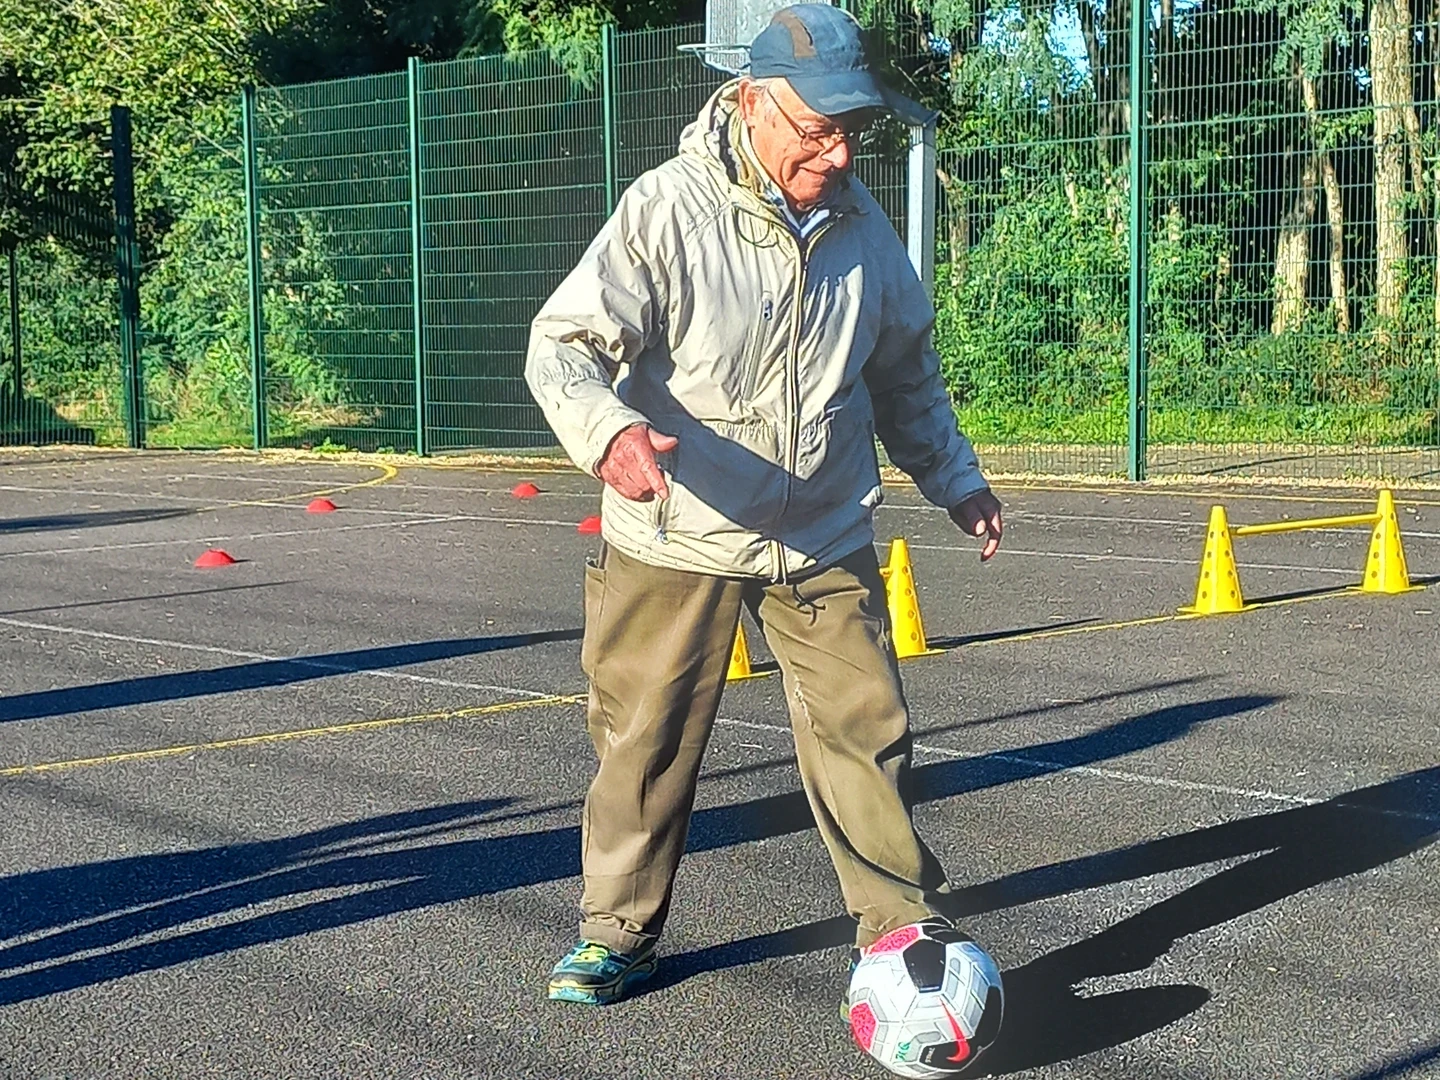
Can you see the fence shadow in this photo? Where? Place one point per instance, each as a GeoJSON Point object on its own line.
{"type": "Point", "coordinates": [97, 922]}
{"type": "Point", "coordinates": [99, 519]}
{"type": "Point", "coordinates": [1401, 1064]}
{"type": "Point", "coordinates": [258, 675]}
{"type": "Point", "coordinates": [111, 601]}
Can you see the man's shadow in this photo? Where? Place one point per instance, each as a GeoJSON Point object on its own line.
{"type": "Point", "coordinates": [1047, 1018]}
{"type": "Point", "coordinates": [1293, 851]}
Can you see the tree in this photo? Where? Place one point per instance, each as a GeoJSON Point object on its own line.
{"type": "Point", "coordinates": [1392, 101]}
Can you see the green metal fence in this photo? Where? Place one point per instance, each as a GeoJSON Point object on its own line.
{"type": "Point", "coordinates": [1184, 238]}
{"type": "Point", "coordinates": [60, 363]}
{"type": "Point", "coordinates": [1293, 214]}
{"type": "Point", "coordinates": [1242, 281]}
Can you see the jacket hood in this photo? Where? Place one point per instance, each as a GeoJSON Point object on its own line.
{"type": "Point", "coordinates": [705, 136]}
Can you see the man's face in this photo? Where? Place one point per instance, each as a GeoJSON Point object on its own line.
{"type": "Point", "coordinates": [804, 152]}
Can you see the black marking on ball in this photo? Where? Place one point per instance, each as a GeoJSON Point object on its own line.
{"type": "Point", "coordinates": [989, 1025]}
{"type": "Point", "coordinates": [925, 961]}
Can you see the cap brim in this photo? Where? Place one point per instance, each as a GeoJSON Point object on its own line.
{"type": "Point", "coordinates": [852, 91]}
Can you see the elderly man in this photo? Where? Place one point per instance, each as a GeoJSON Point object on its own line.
{"type": "Point", "coordinates": [768, 325]}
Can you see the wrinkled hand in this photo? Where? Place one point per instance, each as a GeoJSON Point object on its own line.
{"type": "Point", "coordinates": [979, 516]}
{"type": "Point", "coordinates": [629, 465]}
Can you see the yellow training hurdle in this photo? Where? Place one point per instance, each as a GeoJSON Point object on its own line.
{"type": "Point", "coordinates": [1218, 591]}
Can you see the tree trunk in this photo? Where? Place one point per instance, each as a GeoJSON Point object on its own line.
{"type": "Point", "coordinates": [1334, 208]}
{"type": "Point", "coordinates": [1292, 251]}
{"type": "Point", "coordinates": [1107, 48]}
{"type": "Point", "coordinates": [1390, 96]}
{"type": "Point", "coordinates": [957, 205]}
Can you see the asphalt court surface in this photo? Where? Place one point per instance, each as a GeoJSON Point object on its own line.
{"type": "Point", "coordinates": [316, 813]}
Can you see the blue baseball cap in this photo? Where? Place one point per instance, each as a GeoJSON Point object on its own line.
{"type": "Point", "coordinates": [818, 49]}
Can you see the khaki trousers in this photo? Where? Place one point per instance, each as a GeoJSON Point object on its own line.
{"type": "Point", "coordinates": [656, 650]}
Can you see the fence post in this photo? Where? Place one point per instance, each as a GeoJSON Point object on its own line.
{"type": "Point", "coordinates": [127, 268]}
{"type": "Point", "coordinates": [1139, 418]}
{"type": "Point", "coordinates": [607, 106]}
{"type": "Point", "coordinates": [417, 253]}
{"type": "Point", "coordinates": [920, 203]}
{"type": "Point", "coordinates": [253, 268]}
{"type": "Point", "coordinates": [16, 367]}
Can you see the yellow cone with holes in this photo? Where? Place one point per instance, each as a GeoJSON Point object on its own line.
{"type": "Point", "coordinates": [1385, 569]}
{"type": "Point", "coordinates": [740, 659]}
{"type": "Point", "coordinates": [1218, 590]}
{"type": "Point", "coordinates": [904, 604]}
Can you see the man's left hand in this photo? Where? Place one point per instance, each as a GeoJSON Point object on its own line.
{"type": "Point", "coordinates": [979, 516]}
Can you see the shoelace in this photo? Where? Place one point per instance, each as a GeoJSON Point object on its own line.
{"type": "Point", "coordinates": [591, 953]}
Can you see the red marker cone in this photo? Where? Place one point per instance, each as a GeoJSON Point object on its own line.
{"type": "Point", "coordinates": [321, 506]}
{"type": "Point", "coordinates": [589, 527]}
{"type": "Point", "coordinates": [214, 557]}
{"type": "Point", "coordinates": [526, 490]}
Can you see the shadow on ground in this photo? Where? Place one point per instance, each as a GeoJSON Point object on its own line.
{"type": "Point", "coordinates": [93, 923]}
{"type": "Point", "coordinates": [257, 675]}
{"type": "Point", "coordinates": [112, 601]}
{"type": "Point", "coordinates": [1046, 1020]}
{"type": "Point", "coordinates": [98, 519]}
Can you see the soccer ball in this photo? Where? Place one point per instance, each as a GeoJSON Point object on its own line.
{"type": "Point", "coordinates": [925, 1001]}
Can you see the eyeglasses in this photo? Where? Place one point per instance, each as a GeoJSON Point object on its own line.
{"type": "Point", "coordinates": [818, 142]}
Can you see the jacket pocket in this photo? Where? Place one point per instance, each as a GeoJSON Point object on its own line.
{"type": "Point", "coordinates": [759, 336]}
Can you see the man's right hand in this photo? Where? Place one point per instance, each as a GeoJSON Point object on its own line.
{"type": "Point", "coordinates": [629, 465]}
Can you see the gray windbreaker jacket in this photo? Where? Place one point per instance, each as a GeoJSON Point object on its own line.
{"type": "Point", "coordinates": [775, 360]}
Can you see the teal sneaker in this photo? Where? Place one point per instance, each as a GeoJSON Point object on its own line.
{"type": "Point", "coordinates": [595, 974]}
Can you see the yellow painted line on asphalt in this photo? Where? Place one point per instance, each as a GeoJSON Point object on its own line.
{"type": "Point", "coordinates": [387, 473]}
{"type": "Point", "coordinates": [288, 736]}
{"type": "Point", "coordinates": [1156, 620]}
{"type": "Point", "coordinates": [575, 699]}
{"type": "Point", "coordinates": [1068, 631]}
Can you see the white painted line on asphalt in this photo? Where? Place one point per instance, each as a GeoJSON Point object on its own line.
{"type": "Point", "coordinates": [240, 654]}
{"type": "Point", "coordinates": [196, 541]}
{"type": "Point", "coordinates": [415, 519]}
{"type": "Point", "coordinates": [104, 494]}
{"type": "Point", "coordinates": [1125, 776]}
{"type": "Point", "coordinates": [1046, 767]}
{"type": "Point", "coordinates": [545, 493]}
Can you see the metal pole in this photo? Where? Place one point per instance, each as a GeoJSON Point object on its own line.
{"type": "Point", "coordinates": [1139, 419]}
{"type": "Point", "coordinates": [607, 96]}
{"type": "Point", "coordinates": [127, 266]}
{"type": "Point", "coordinates": [15, 366]}
{"type": "Point", "coordinates": [920, 203]}
{"type": "Point", "coordinates": [417, 254]}
{"type": "Point", "coordinates": [253, 269]}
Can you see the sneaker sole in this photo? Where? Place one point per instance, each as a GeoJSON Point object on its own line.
{"type": "Point", "coordinates": [602, 995]}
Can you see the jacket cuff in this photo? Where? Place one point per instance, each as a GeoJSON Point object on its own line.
{"type": "Point", "coordinates": [966, 487]}
{"type": "Point", "coordinates": [602, 433]}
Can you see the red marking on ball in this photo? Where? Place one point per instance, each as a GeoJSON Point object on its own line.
{"type": "Point", "coordinates": [862, 1025]}
{"type": "Point", "coordinates": [896, 940]}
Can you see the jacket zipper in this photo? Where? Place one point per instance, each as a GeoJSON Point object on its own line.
{"type": "Point", "coordinates": [803, 248]}
{"type": "Point", "coordinates": [792, 377]}
{"type": "Point", "coordinates": [757, 348]}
